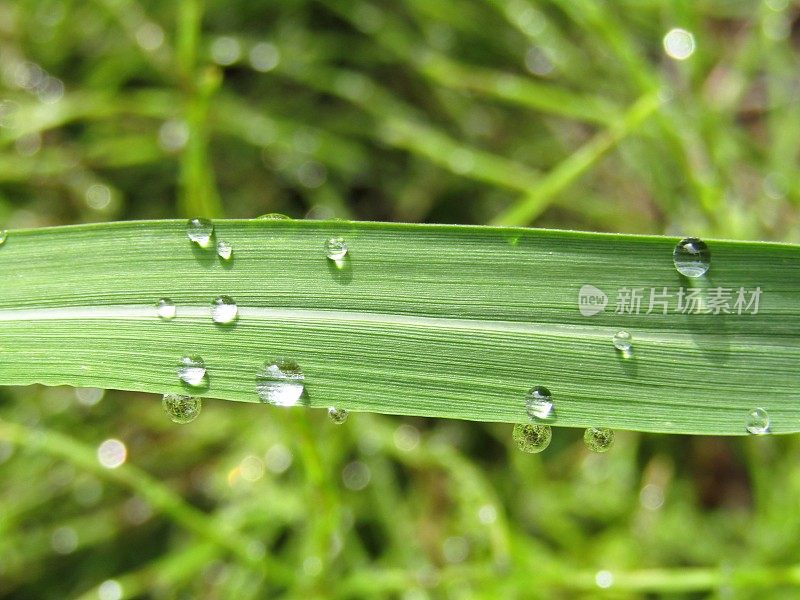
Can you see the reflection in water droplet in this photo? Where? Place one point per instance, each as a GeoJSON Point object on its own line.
{"type": "Point", "coordinates": [533, 437]}
{"type": "Point", "coordinates": [224, 310]}
{"type": "Point", "coordinates": [280, 382]}
{"type": "Point", "coordinates": [539, 404]}
{"type": "Point", "coordinates": [335, 248]}
{"type": "Point", "coordinates": [692, 257]}
{"type": "Point", "coordinates": [337, 415]}
{"type": "Point", "coordinates": [623, 341]}
{"type": "Point", "coordinates": [166, 309]}
{"type": "Point", "coordinates": [3, 236]}
{"type": "Point", "coordinates": [192, 370]}
{"type": "Point", "coordinates": [224, 250]}
{"type": "Point", "coordinates": [180, 408]}
{"type": "Point", "coordinates": [598, 439]}
{"type": "Point", "coordinates": [200, 231]}
{"type": "Point", "coordinates": [274, 217]}
{"type": "Point", "coordinates": [757, 421]}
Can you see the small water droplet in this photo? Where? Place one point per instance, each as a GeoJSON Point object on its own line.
{"type": "Point", "coordinates": [692, 257]}
{"type": "Point", "coordinates": [598, 439]}
{"type": "Point", "coordinates": [337, 415]}
{"type": "Point", "coordinates": [533, 437]}
{"type": "Point", "coordinates": [623, 341]}
{"type": "Point", "coordinates": [3, 236]}
{"type": "Point", "coordinates": [180, 408]}
{"type": "Point", "coordinates": [224, 310]}
{"type": "Point", "coordinates": [224, 250]}
{"type": "Point", "coordinates": [539, 403]}
{"type": "Point", "coordinates": [280, 382]}
{"type": "Point", "coordinates": [192, 370]}
{"type": "Point", "coordinates": [757, 421]}
{"type": "Point", "coordinates": [166, 309]}
{"type": "Point", "coordinates": [200, 231]}
{"type": "Point", "coordinates": [335, 248]}
{"type": "Point", "coordinates": [274, 217]}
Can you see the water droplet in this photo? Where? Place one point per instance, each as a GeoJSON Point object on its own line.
{"type": "Point", "coordinates": [192, 370]}
{"type": "Point", "coordinates": [3, 236]}
{"type": "Point", "coordinates": [274, 217]}
{"type": "Point", "coordinates": [280, 382]}
{"type": "Point", "coordinates": [539, 403]}
{"type": "Point", "coordinates": [200, 231]}
{"type": "Point", "coordinates": [533, 437]}
{"type": "Point", "coordinates": [337, 415]}
{"type": "Point", "coordinates": [623, 341]}
{"type": "Point", "coordinates": [335, 248]}
{"type": "Point", "coordinates": [166, 309]}
{"type": "Point", "coordinates": [598, 439]}
{"type": "Point", "coordinates": [224, 250]}
{"type": "Point", "coordinates": [180, 408]}
{"type": "Point", "coordinates": [757, 421]}
{"type": "Point", "coordinates": [692, 257]}
{"type": "Point", "coordinates": [224, 310]}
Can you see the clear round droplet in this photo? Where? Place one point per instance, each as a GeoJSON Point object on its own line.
{"type": "Point", "coordinates": [3, 236]}
{"type": "Point", "coordinates": [337, 415]}
{"type": "Point", "coordinates": [200, 231]}
{"type": "Point", "coordinates": [539, 404]}
{"type": "Point", "coordinates": [623, 341]}
{"type": "Point", "coordinates": [180, 408]}
{"type": "Point", "coordinates": [692, 257]}
{"type": "Point", "coordinates": [335, 248]}
{"type": "Point", "coordinates": [274, 217]}
{"type": "Point", "coordinates": [166, 309]}
{"type": "Point", "coordinates": [757, 421]}
{"type": "Point", "coordinates": [598, 439]}
{"type": "Point", "coordinates": [280, 382]}
{"type": "Point", "coordinates": [533, 437]}
{"type": "Point", "coordinates": [192, 370]}
{"type": "Point", "coordinates": [224, 310]}
{"type": "Point", "coordinates": [224, 250]}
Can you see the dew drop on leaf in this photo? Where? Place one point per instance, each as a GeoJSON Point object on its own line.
{"type": "Point", "coordinates": [623, 341]}
{"type": "Point", "coordinates": [757, 421]}
{"type": "Point", "coordinates": [200, 231]}
{"type": "Point", "coordinates": [598, 439]}
{"type": "Point", "coordinates": [3, 236]}
{"type": "Point", "coordinates": [539, 404]}
{"type": "Point", "coordinates": [224, 250]}
{"type": "Point", "coordinates": [335, 248]}
{"type": "Point", "coordinates": [337, 415]}
{"type": "Point", "coordinates": [692, 257]}
{"type": "Point", "coordinates": [180, 408]}
{"type": "Point", "coordinates": [274, 217]}
{"type": "Point", "coordinates": [192, 370]}
{"type": "Point", "coordinates": [224, 310]}
{"type": "Point", "coordinates": [533, 437]}
{"type": "Point", "coordinates": [166, 309]}
{"type": "Point", "coordinates": [280, 382]}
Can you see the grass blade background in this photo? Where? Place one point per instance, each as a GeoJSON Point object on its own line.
{"type": "Point", "coordinates": [441, 321]}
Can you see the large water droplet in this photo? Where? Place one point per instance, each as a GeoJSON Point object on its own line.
{"type": "Point", "coordinates": [757, 421]}
{"type": "Point", "coordinates": [180, 408]}
{"type": "Point", "coordinates": [598, 439]}
{"type": "Point", "coordinates": [224, 310]}
{"type": "Point", "coordinates": [692, 257]}
{"type": "Point", "coordinates": [337, 415]}
{"type": "Point", "coordinates": [192, 370]}
{"type": "Point", "coordinates": [224, 250]}
{"type": "Point", "coordinates": [539, 404]}
{"type": "Point", "coordinates": [3, 236]}
{"type": "Point", "coordinates": [533, 437]}
{"type": "Point", "coordinates": [623, 341]}
{"type": "Point", "coordinates": [280, 382]}
{"type": "Point", "coordinates": [166, 309]}
{"type": "Point", "coordinates": [335, 248]}
{"type": "Point", "coordinates": [200, 231]}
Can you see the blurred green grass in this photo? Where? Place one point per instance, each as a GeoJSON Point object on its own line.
{"type": "Point", "coordinates": [425, 110]}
